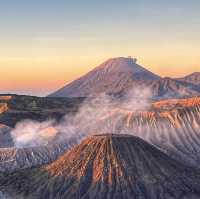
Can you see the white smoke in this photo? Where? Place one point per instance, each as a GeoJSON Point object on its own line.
{"type": "Point", "coordinates": [32, 133]}
{"type": "Point", "coordinates": [138, 99]}
{"type": "Point", "coordinates": [93, 117]}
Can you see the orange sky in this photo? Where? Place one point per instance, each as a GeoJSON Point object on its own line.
{"type": "Point", "coordinates": [41, 76]}
{"type": "Point", "coordinates": [40, 65]}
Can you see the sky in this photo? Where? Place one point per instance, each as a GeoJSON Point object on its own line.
{"type": "Point", "coordinates": [45, 44]}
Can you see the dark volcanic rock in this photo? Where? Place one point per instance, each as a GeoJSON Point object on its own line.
{"type": "Point", "coordinates": [107, 166]}
{"type": "Point", "coordinates": [20, 107]}
{"type": "Point", "coordinates": [5, 136]}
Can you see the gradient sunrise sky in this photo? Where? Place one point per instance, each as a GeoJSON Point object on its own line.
{"type": "Point", "coordinates": [47, 43]}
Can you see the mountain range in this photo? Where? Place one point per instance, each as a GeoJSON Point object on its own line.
{"type": "Point", "coordinates": [119, 76]}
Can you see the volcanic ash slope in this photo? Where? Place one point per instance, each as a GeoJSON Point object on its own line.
{"type": "Point", "coordinates": [106, 166]}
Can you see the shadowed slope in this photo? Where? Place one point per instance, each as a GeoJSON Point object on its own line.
{"type": "Point", "coordinates": [107, 166]}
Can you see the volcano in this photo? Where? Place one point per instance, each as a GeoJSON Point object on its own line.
{"type": "Point", "coordinates": [113, 76]}
{"type": "Point", "coordinates": [122, 75]}
{"type": "Point", "coordinates": [106, 166]}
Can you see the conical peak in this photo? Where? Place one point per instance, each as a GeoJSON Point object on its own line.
{"type": "Point", "coordinates": [114, 76]}
{"type": "Point", "coordinates": [118, 139]}
{"type": "Point", "coordinates": [122, 64]}
{"type": "Point", "coordinates": [111, 135]}
{"type": "Point", "coordinates": [129, 59]}
{"type": "Point", "coordinates": [100, 145]}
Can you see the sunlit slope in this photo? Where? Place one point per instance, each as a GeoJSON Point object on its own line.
{"type": "Point", "coordinates": [106, 166]}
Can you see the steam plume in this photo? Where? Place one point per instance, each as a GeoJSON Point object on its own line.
{"type": "Point", "coordinates": [87, 120]}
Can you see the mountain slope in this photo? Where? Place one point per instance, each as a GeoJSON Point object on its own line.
{"type": "Point", "coordinates": [113, 76]}
{"type": "Point", "coordinates": [172, 88]}
{"type": "Point", "coordinates": [193, 78]}
{"type": "Point", "coordinates": [107, 166]}
{"type": "Point", "coordinates": [16, 158]}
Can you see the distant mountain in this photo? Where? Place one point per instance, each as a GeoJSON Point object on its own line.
{"type": "Point", "coordinates": [172, 88]}
{"type": "Point", "coordinates": [193, 78]}
{"type": "Point", "coordinates": [120, 75]}
{"type": "Point", "coordinates": [113, 76]}
{"type": "Point", "coordinates": [106, 166]}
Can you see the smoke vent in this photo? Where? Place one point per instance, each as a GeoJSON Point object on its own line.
{"type": "Point", "coordinates": [133, 60]}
